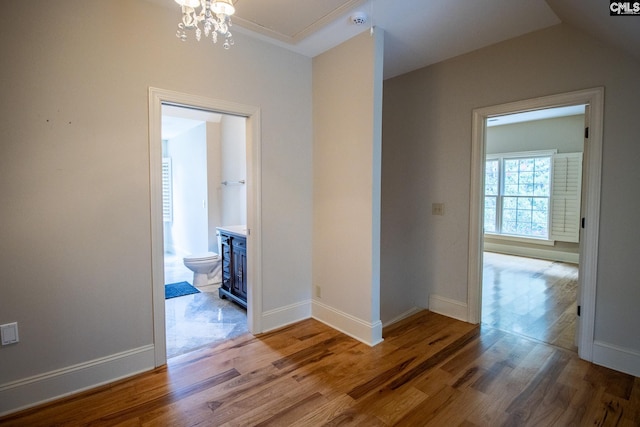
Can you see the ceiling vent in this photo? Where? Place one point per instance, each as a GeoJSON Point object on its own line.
{"type": "Point", "coordinates": [359, 18]}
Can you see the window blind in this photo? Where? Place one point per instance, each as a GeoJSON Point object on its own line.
{"type": "Point", "coordinates": [566, 190]}
{"type": "Point", "coordinates": [167, 196]}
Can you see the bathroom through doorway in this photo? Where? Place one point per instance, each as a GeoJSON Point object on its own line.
{"type": "Point", "coordinates": [158, 99]}
{"type": "Point", "coordinates": [203, 188]}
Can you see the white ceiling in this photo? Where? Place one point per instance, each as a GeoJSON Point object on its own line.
{"type": "Point", "coordinates": [422, 32]}
{"type": "Point", "coordinates": [301, 19]}
{"type": "Point", "coordinates": [529, 116]}
{"type": "Point", "coordinates": [177, 120]}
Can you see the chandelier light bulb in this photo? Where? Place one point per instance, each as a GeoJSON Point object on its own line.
{"type": "Point", "coordinates": [214, 15]}
{"type": "Point", "coordinates": [223, 6]}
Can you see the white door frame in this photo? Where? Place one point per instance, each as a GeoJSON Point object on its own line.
{"type": "Point", "coordinates": [254, 246]}
{"type": "Point", "coordinates": [592, 169]}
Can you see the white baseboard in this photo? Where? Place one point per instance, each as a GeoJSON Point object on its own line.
{"type": "Point", "coordinates": [38, 389]}
{"type": "Point", "coordinates": [368, 333]}
{"type": "Point", "coordinates": [448, 307]}
{"type": "Point", "coordinates": [540, 253]}
{"type": "Point", "coordinates": [402, 316]}
{"type": "Point", "coordinates": [283, 316]}
{"type": "Point", "coordinates": [617, 358]}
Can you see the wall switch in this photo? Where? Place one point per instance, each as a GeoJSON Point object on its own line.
{"type": "Point", "coordinates": [9, 333]}
{"type": "Point", "coordinates": [318, 292]}
{"type": "Point", "coordinates": [437, 209]}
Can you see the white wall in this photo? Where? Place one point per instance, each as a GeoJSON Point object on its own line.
{"type": "Point", "coordinates": [347, 99]}
{"type": "Point", "coordinates": [427, 150]}
{"type": "Point", "coordinates": [188, 153]}
{"type": "Point", "coordinates": [234, 169]}
{"type": "Point", "coordinates": [226, 161]}
{"type": "Point", "coordinates": [74, 180]}
{"type": "Point", "coordinates": [214, 188]}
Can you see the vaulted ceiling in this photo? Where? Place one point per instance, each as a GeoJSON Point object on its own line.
{"type": "Point", "coordinates": [423, 32]}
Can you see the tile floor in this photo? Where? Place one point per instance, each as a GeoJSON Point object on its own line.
{"type": "Point", "coordinates": [198, 320]}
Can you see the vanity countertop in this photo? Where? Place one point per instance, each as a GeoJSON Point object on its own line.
{"type": "Point", "coordinates": [238, 230]}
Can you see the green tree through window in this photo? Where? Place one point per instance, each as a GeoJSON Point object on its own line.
{"type": "Point", "coordinates": [517, 193]}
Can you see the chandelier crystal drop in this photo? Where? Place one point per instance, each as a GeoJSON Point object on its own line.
{"type": "Point", "coordinates": [214, 15]}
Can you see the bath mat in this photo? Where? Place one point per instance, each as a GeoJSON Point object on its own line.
{"type": "Point", "coordinates": [173, 290]}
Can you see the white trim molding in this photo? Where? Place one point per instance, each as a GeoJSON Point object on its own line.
{"type": "Point", "coordinates": [541, 253]}
{"type": "Point", "coordinates": [592, 170]}
{"type": "Point", "coordinates": [402, 316]}
{"type": "Point", "coordinates": [366, 332]}
{"type": "Point", "coordinates": [283, 316]}
{"type": "Point", "coordinates": [43, 388]}
{"type": "Point", "coordinates": [615, 357]}
{"type": "Point", "coordinates": [448, 307]}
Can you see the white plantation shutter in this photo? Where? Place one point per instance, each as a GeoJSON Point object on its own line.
{"type": "Point", "coordinates": [567, 187]}
{"type": "Point", "coordinates": [167, 197]}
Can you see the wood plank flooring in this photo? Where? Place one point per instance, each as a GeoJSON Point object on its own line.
{"type": "Point", "coordinates": [429, 371]}
{"type": "Point", "coordinates": [532, 297]}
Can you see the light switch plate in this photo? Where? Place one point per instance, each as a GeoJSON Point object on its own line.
{"type": "Point", "coordinates": [9, 333]}
{"type": "Point", "coordinates": [437, 209]}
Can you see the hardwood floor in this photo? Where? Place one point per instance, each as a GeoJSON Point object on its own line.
{"type": "Point", "coordinates": [429, 371]}
{"type": "Point", "coordinates": [532, 297]}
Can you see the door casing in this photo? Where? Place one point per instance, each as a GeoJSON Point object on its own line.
{"type": "Point", "coordinates": [157, 97]}
{"type": "Point", "coordinates": [592, 171]}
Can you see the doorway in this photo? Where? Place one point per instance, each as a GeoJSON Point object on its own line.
{"type": "Point", "coordinates": [588, 247]}
{"type": "Point", "coordinates": [204, 171]}
{"type": "Point", "coordinates": [532, 196]}
{"type": "Point", "coordinates": [158, 98]}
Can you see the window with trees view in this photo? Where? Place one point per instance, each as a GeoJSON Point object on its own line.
{"type": "Point", "coordinates": [517, 194]}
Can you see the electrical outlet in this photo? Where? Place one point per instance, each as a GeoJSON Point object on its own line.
{"type": "Point", "coordinates": [9, 333]}
{"type": "Point", "coordinates": [437, 209]}
{"type": "Point", "coordinates": [318, 292]}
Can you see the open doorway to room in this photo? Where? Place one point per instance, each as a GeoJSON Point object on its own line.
{"type": "Point", "coordinates": [532, 196]}
{"type": "Point", "coordinates": [592, 101]}
{"type": "Point", "coordinates": [249, 250]}
{"type": "Point", "coordinates": [204, 192]}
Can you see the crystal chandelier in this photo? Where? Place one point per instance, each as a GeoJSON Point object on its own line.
{"type": "Point", "coordinates": [215, 16]}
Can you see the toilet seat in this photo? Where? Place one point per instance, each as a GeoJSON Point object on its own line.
{"type": "Point", "coordinates": [206, 268]}
{"type": "Point", "coordinates": [202, 257]}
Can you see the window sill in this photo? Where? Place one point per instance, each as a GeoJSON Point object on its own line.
{"type": "Point", "coordinates": [530, 240]}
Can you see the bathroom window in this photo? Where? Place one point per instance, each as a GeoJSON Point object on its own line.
{"type": "Point", "coordinates": [167, 196]}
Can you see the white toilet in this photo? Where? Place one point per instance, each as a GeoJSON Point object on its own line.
{"type": "Point", "coordinates": [206, 268]}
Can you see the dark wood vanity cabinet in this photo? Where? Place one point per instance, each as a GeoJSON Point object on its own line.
{"type": "Point", "coordinates": [234, 266]}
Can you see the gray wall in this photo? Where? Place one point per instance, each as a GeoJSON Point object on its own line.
{"type": "Point", "coordinates": [75, 239]}
{"type": "Point", "coordinates": [566, 134]}
{"type": "Point", "coordinates": [427, 152]}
